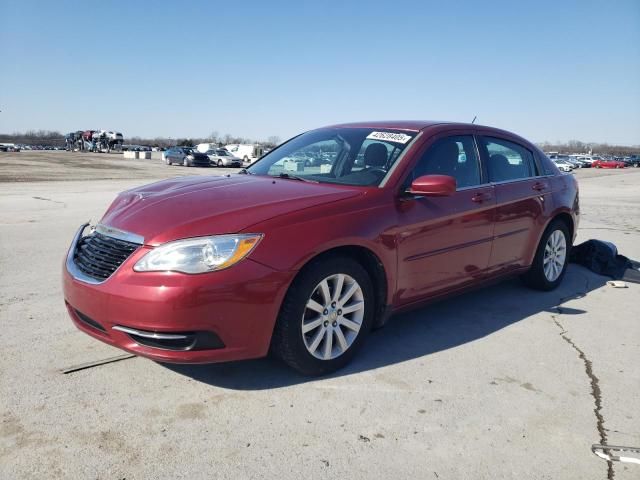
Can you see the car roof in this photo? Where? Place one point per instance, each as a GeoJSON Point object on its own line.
{"type": "Point", "coordinates": [417, 125]}
{"type": "Point", "coordinates": [435, 125]}
{"type": "Point", "coordinates": [412, 125]}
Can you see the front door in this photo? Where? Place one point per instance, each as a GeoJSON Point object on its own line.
{"type": "Point", "coordinates": [445, 242]}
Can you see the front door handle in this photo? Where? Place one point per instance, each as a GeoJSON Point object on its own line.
{"type": "Point", "coordinates": [480, 197]}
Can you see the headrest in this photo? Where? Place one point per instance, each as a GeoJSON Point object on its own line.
{"type": "Point", "coordinates": [375, 155]}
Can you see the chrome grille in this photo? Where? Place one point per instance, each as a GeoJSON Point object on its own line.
{"type": "Point", "coordinates": [98, 256]}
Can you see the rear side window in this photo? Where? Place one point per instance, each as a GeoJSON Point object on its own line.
{"type": "Point", "coordinates": [508, 160]}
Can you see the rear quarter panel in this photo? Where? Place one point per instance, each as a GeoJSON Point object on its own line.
{"type": "Point", "coordinates": [564, 199]}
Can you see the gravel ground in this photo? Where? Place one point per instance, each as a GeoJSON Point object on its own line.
{"type": "Point", "coordinates": [499, 383]}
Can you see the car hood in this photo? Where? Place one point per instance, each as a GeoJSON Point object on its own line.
{"type": "Point", "coordinates": [197, 206]}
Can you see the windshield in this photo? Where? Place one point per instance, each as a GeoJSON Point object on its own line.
{"type": "Point", "coordinates": [348, 156]}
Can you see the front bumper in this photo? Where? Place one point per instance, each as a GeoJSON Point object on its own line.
{"type": "Point", "coordinates": [199, 163]}
{"type": "Point", "coordinates": [227, 163]}
{"type": "Point", "coordinates": [213, 317]}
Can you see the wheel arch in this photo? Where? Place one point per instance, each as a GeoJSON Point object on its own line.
{"type": "Point", "coordinates": [371, 262]}
{"type": "Point", "coordinates": [567, 219]}
{"type": "Point", "coordinates": [563, 215]}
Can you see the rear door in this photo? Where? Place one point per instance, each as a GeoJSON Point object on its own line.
{"type": "Point", "coordinates": [522, 194]}
{"type": "Point", "coordinates": [445, 242]}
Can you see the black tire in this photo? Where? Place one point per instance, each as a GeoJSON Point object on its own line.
{"type": "Point", "coordinates": [287, 342]}
{"type": "Point", "coordinates": [185, 162]}
{"type": "Point", "coordinates": [535, 278]}
{"type": "Point", "coordinates": [167, 160]}
{"type": "Point", "coordinates": [220, 164]}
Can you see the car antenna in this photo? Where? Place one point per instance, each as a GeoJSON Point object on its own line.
{"type": "Point", "coordinates": [474, 119]}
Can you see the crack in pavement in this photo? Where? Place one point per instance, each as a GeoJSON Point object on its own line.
{"type": "Point", "coordinates": [49, 200]}
{"type": "Point", "coordinates": [596, 393]}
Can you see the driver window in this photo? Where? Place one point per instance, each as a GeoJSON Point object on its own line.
{"type": "Point", "coordinates": [454, 156]}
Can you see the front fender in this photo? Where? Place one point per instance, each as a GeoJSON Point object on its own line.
{"type": "Point", "coordinates": [291, 244]}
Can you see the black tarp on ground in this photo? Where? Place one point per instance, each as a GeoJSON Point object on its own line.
{"type": "Point", "coordinates": [603, 258]}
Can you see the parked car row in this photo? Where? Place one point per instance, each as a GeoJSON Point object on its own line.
{"type": "Point", "coordinates": [246, 153]}
{"type": "Point", "coordinates": [16, 147]}
{"type": "Point", "coordinates": [567, 163]}
{"type": "Point", "coordinates": [191, 157]}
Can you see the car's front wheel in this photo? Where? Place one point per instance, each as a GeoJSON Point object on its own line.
{"type": "Point", "coordinates": [220, 163]}
{"type": "Point", "coordinates": [185, 162]}
{"type": "Point", "coordinates": [326, 314]}
{"type": "Point", "coordinates": [167, 160]}
{"type": "Point", "coordinates": [551, 259]}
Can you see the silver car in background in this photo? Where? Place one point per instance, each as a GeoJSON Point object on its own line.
{"type": "Point", "coordinates": [219, 157]}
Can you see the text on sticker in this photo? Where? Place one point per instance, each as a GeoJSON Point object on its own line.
{"type": "Point", "coordinates": [390, 137]}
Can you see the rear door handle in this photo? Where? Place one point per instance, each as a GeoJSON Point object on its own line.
{"type": "Point", "coordinates": [539, 186]}
{"type": "Point", "coordinates": [480, 197]}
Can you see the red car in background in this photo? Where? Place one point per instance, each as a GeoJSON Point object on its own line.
{"type": "Point", "coordinates": [603, 163]}
{"type": "Point", "coordinates": [322, 239]}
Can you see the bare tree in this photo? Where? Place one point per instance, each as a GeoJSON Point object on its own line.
{"type": "Point", "coordinates": [273, 141]}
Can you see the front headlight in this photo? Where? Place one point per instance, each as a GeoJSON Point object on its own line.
{"type": "Point", "coordinates": [198, 255]}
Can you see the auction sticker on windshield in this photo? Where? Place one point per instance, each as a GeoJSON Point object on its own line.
{"type": "Point", "coordinates": [389, 137]}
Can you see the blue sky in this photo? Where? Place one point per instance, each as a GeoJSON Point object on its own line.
{"type": "Point", "coordinates": [548, 70]}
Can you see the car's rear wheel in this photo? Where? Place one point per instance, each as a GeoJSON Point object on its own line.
{"type": "Point", "coordinates": [220, 163]}
{"type": "Point", "coordinates": [326, 314]}
{"type": "Point", "coordinates": [185, 162]}
{"type": "Point", "coordinates": [552, 256]}
{"type": "Point", "coordinates": [167, 160]}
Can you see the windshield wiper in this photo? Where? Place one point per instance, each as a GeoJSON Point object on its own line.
{"type": "Point", "coordinates": [296, 177]}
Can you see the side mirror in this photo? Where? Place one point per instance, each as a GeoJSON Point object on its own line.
{"type": "Point", "coordinates": [433, 186]}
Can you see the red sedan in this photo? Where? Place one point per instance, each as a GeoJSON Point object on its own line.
{"type": "Point", "coordinates": [608, 164]}
{"type": "Point", "coordinates": [318, 242]}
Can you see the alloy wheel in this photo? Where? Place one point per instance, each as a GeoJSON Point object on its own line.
{"type": "Point", "coordinates": [333, 316]}
{"type": "Point", "coordinates": [555, 255]}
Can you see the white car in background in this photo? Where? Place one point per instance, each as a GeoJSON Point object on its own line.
{"type": "Point", "coordinates": [249, 153]}
{"type": "Point", "coordinates": [563, 165]}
